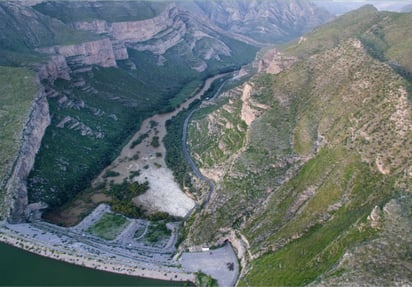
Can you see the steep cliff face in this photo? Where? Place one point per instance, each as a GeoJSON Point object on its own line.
{"type": "Point", "coordinates": [132, 31]}
{"type": "Point", "coordinates": [56, 67]}
{"type": "Point", "coordinates": [34, 129]}
{"type": "Point", "coordinates": [171, 28]}
{"type": "Point", "coordinates": [82, 56]}
{"type": "Point", "coordinates": [200, 26]}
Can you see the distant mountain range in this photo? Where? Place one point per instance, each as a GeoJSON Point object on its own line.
{"type": "Point", "coordinates": [340, 7]}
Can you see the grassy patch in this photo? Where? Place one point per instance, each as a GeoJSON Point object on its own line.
{"type": "Point", "coordinates": [323, 234]}
{"type": "Point", "coordinates": [156, 232]}
{"type": "Point", "coordinates": [17, 91]}
{"type": "Point", "coordinates": [204, 280]}
{"type": "Point", "coordinates": [109, 226]}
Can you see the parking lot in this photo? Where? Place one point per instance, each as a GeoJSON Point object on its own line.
{"type": "Point", "coordinates": [219, 263]}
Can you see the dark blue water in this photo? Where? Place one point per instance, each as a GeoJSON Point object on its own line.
{"type": "Point", "coordinates": [21, 268]}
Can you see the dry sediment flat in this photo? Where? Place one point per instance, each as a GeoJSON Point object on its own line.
{"type": "Point", "coordinates": [164, 194]}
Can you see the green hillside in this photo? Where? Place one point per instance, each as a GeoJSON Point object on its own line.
{"type": "Point", "coordinates": [24, 29]}
{"type": "Point", "coordinates": [325, 166]}
{"type": "Point", "coordinates": [385, 35]}
{"type": "Point", "coordinates": [111, 11]}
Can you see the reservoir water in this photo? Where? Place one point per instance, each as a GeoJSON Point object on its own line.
{"type": "Point", "coordinates": [22, 268]}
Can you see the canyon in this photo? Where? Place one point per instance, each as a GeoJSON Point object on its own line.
{"type": "Point", "coordinates": [299, 155]}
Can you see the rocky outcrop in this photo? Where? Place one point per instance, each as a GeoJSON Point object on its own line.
{"type": "Point", "coordinates": [170, 28]}
{"type": "Point", "coordinates": [16, 188]}
{"type": "Point", "coordinates": [73, 124]}
{"type": "Point", "coordinates": [99, 52]}
{"type": "Point", "coordinates": [131, 31]}
{"type": "Point", "coordinates": [55, 68]}
{"type": "Point", "coordinates": [273, 62]}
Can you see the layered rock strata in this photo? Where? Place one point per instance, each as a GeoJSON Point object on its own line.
{"type": "Point", "coordinates": [81, 56]}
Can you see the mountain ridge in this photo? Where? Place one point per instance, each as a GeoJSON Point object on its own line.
{"type": "Point", "coordinates": [324, 151]}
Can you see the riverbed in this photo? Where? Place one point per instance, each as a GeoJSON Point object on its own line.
{"type": "Point", "coordinates": [148, 162]}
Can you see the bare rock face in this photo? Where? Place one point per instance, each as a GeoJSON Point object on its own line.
{"type": "Point", "coordinates": [55, 68]}
{"type": "Point", "coordinates": [131, 31]}
{"type": "Point", "coordinates": [98, 52]}
{"type": "Point", "coordinates": [120, 51]}
{"type": "Point", "coordinates": [16, 188]}
{"type": "Point", "coordinates": [139, 31]}
{"type": "Point", "coordinates": [273, 62]}
{"type": "Point", "coordinates": [158, 34]}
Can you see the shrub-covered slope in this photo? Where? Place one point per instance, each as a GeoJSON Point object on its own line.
{"type": "Point", "coordinates": [313, 164]}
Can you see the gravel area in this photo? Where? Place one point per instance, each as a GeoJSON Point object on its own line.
{"type": "Point", "coordinates": [164, 194]}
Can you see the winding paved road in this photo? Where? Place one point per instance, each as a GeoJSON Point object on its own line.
{"type": "Point", "coordinates": [186, 153]}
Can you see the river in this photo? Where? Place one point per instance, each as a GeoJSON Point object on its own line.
{"type": "Point", "coordinates": [22, 268]}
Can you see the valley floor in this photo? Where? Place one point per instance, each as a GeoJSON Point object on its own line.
{"type": "Point", "coordinates": [131, 251]}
